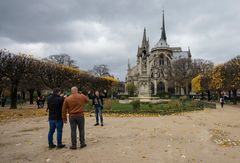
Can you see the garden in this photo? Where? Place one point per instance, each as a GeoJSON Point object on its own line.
{"type": "Point", "coordinates": [162, 108]}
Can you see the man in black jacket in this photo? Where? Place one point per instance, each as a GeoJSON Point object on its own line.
{"type": "Point", "coordinates": [54, 106]}
{"type": "Point", "coordinates": [97, 101]}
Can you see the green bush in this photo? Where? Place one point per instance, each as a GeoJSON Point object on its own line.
{"type": "Point", "coordinates": [206, 104]}
{"type": "Point", "coordinates": [136, 105]}
{"type": "Point", "coordinates": [123, 97]}
{"type": "Point", "coordinates": [107, 104]}
{"type": "Point", "coordinates": [88, 107]}
{"type": "Point", "coordinates": [174, 104]}
{"type": "Point", "coordinates": [183, 98]}
{"type": "Point", "coordinates": [163, 95]}
{"type": "Point", "coordinates": [163, 108]}
{"type": "Point", "coordinates": [131, 88]}
{"type": "Point", "coordinates": [150, 105]}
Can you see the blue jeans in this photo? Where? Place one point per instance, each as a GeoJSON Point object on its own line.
{"type": "Point", "coordinates": [53, 125]}
{"type": "Point", "coordinates": [98, 113]}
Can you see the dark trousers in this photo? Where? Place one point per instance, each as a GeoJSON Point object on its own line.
{"type": "Point", "coordinates": [53, 125]}
{"type": "Point", "coordinates": [98, 113]}
{"type": "Point", "coordinates": [74, 123]}
{"type": "Point", "coordinates": [3, 103]}
{"type": "Point", "coordinates": [222, 104]}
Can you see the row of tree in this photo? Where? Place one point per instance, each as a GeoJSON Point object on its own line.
{"type": "Point", "coordinates": [24, 73]}
{"type": "Point", "coordinates": [220, 78]}
{"type": "Point", "coordinates": [181, 72]}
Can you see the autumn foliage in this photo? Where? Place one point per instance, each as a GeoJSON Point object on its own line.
{"type": "Point", "coordinates": [23, 73]}
{"type": "Point", "coordinates": [220, 78]}
{"type": "Point", "coordinates": [196, 84]}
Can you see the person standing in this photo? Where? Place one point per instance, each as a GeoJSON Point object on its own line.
{"type": "Point", "coordinates": [43, 101]}
{"type": "Point", "coordinates": [3, 100]}
{"type": "Point", "coordinates": [54, 106]}
{"type": "Point", "coordinates": [97, 101]}
{"type": "Point", "coordinates": [38, 102]}
{"type": "Point", "coordinates": [222, 101]}
{"type": "Point", "coordinates": [74, 105]}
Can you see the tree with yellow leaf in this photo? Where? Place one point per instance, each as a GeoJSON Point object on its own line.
{"type": "Point", "coordinates": [201, 69]}
{"type": "Point", "coordinates": [232, 82]}
{"type": "Point", "coordinates": [196, 84]}
{"type": "Point", "coordinates": [218, 78]}
{"type": "Point", "coordinates": [112, 79]}
{"type": "Point", "coordinates": [114, 84]}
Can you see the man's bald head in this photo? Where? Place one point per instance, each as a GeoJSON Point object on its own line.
{"type": "Point", "coordinates": [74, 90]}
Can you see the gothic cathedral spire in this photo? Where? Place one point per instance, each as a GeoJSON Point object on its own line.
{"type": "Point", "coordinates": [162, 43]}
{"type": "Point", "coordinates": [144, 49]}
{"type": "Point", "coordinates": [144, 40]}
{"type": "Point", "coordinates": [129, 66]}
{"type": "Point", "coordinates": [163, 36]}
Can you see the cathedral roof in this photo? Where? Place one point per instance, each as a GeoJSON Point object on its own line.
{"type": "Point", "coordinates": [161, 44]}
{"type": "Point", "coordinates": [180, 54]}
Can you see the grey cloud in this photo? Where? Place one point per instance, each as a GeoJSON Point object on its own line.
{"type": "Point", "coordinates": [106, 31]}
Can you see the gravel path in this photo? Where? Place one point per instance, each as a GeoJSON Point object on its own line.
{"type": "Point", "coordinates": [202, 136]}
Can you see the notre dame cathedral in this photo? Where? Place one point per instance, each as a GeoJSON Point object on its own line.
{"type": "Point", "coordinates": [152, 73]}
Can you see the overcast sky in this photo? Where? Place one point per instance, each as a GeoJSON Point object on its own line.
{"type": "Point", "coordinates": [109, 31]}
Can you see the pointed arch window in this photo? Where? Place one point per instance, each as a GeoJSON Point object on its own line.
{"type": "Point", "coordinates": [168, 62]}
{"type": "Point", "coordinates": [161, 60]}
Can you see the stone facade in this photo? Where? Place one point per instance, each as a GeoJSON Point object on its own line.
{"type": "Point", "coordinates": [152, 74]}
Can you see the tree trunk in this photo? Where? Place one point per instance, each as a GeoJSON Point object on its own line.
{"type": "Point", "coordinates": [39, 93]}
{"type": "Point", "coordinates": [235, 96]}
{"type": "Point", "coordinates": [23, 95]}
{"type": "Point", "coordinates": [202, 96]}
{"type": "Point", "coordinates": [14, 90]}
{"type": "Point", "coordinates": [31, 91]}
{"type": "Point", "coordinates": [229, 94]}
{"type": "Point", "coordinates": [180, 91]}
{"type": "Point", "coordinates": [209, 95]}
{"type": "Point", "coordinates": [219, 94]}
{"type": "Point", "coordinates": [184, 91]}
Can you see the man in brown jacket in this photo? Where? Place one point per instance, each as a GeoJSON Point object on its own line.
{"type": "Point", "coordinates": [74, 106]}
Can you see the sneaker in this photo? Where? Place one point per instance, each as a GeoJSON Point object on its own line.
{"type": "Point", "coordinates": [73, 147]}
{"type": "Point", "coordinates": [51, 146]}
{"type": "Point", "coordinates": [102, 124]}
{"type": "Point", "coordinates": [83, 145]}
{"type": "Point", "coordinates": [61, 146]}
{"type": "Point", "coordinates": [96, 124]}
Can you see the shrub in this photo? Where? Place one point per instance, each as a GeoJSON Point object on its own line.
{"type": "Point", "coordinates": [208, 105]}
{"type": "Point", "coordinates": [123, 97]}
{"type": "Point", "coordinates": [150, 105]}
{"type": "Point", "coordinates": [175, 104]}
{"type": "Point", "coordinates": [108, 104]}
{"type": "Point", "coordinates": [88, 107]}
{"type": "Point", "coordinates": [163, 95]}
{"type": "Point", "coordinates": [131, 88]}
{"type": "Point", "coordinates": [183, 98]}
{"type": "Point", "coordinates": [175, 96]}
{"type": "Point", "coordinates": [136, 105]}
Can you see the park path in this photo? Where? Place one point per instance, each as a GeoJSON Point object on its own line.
{"type": "Point", "coordinates": [201, 136]}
